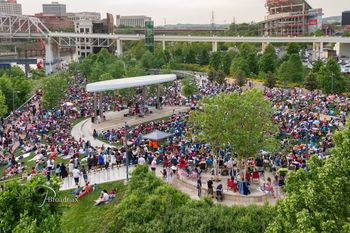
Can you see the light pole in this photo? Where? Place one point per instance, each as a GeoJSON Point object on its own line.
{"type": "Point", "coordinates": [126, 152]}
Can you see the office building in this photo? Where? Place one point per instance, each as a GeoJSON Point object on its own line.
{"type": "Point", "coordinates": [290, 18]}
{"type": "Point", "coordinates": [345, 19]}
{"type": "Point", "coordinates": [84, 47]}
{"type": "Point", "coordinates": [56, 23]}
{"type": "Point", "coordinates": [54, 9]}
{"type": "Point", "coordinates": [10, 7]}
{"type": "Point", "coordinates": [132, 21]}
{"type": "Point", "coordinates": [84, 16]}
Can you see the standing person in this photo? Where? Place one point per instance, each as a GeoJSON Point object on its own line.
{"type": "Point", "coordinates": [276, 187]}
{"type": "Point", "coordinates": [58, 170]}
{"type": "Point", "coordinates": [119, 159]}
{"type": "Point", "coordinates": [154, 166]}
{"type": "Point", "coordinates": [199, 186]}
{"type": "Point", "coordinates": [89, 162]}
{"type": "Point", "coordinates": [76, 175]}
{"type": "Point", "coordinates": [71, 166]}
{"type": "Point", "coordinates": [84, 172]}
{"type": "Point", "coordinates": [64, 172]}
{"type": "Point", "coordinates": [210, 187]}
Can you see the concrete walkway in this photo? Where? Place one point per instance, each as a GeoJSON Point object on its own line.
{"type": "Point", "coordinates": [101, 176]}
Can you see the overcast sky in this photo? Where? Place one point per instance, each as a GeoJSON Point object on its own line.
{"type": "Point", "coordinates": [183, 11]}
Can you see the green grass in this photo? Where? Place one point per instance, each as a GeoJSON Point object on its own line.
{"type": "Point", "coordinates": [85, 217]}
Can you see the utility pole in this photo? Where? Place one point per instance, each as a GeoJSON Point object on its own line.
{"type": "Point", "coordinates": [212, 22]}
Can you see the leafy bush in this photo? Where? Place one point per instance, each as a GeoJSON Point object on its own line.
{"type": "Point", "coordinates": [154, 206]}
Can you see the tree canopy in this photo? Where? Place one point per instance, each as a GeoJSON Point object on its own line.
{"type": "Point", "coordinates": [330, 78]}
{"type": "Point", "coordinates": [241, 121]}
{"type": "Point", "coordinates": [318, 200]}
{"type": "Point", "coordinates": [150, 205]}
{"type": "Point", "coordinates": [23, 208]}
{"type": "Point", "coordinates": [54, 88]}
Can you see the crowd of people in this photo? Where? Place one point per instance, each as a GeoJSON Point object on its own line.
{"type": "Point", "coordinates": [306, 122]}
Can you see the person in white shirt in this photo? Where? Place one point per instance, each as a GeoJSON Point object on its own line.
{"type": "Point", "coordinates": [141, 160]}
{"type": "Point", "coordinates": [76, 175]}
{"type": "Point", "coordinates": [104, 197]}
{"type": "Point", "coordinates": [154, 166]}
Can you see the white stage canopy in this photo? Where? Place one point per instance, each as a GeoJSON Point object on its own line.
{"type": "Point", "coordinates": [117, 84]}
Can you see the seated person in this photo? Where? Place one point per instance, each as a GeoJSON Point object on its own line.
{"type": "Point", "coordinates": [86, 190]}
{"type": "Point", "coordinates": [76, 192]}
{"type": "Point", "coordinates": [104, 197]}
{"type": "Point", "coordinates": [268, 186]}
{"type": "Point", "coordinates": [112, 194]}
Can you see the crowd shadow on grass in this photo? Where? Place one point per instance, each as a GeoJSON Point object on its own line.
{"type": "Point", "coordinates": [83, 216]}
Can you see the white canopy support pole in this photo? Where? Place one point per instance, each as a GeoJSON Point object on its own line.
{"type": "Point", "coordinates": [101, 106]}
{"type": "Point", "coordinates": [158, 97]}
{"type": "Point", "coordinates": [94, 108]}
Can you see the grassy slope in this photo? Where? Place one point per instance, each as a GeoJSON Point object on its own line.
{"type": "Point", "coordinates": [85, 217]}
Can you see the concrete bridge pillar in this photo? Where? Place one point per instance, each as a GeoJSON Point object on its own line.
{"type": "Point", "coordinates": [163, 43]}
{"type": "Point", "coordinates": [343, 50]}
{"type": "Point", "coordinates": [215, 46]}
{"type": "Point", "coordinates": [52, 56]}
{"type": "Point", "coordinates": [264, 46]}
{"type": "Point", "coordinates": [119, 48]}
{"type": "Point", "coordinates": [317, 50]}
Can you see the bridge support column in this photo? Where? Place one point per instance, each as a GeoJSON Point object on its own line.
{"type": "Point", "coordinates": [343, 50]}
{"type": "Point", "coordinates": [163, 43]}
{"type": "Point", "coordinates": [119, 48]}
{"type": "Point", "coordinates": [52, 55]}
{"type": "Point", "coordinates": [264, 46]}
{"type": "Point", "coordinates": [317, 50]}
{"type": "Point", "coordinates": [215, 46]}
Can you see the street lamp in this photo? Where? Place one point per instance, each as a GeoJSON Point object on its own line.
{"type": "Point", "coordinates": [126, 152]}
{"type": "Point", "coordinates": [13, 99]}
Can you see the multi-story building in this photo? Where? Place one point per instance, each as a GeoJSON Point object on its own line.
{"type": "Point", "coordinates": [10, 7]}
{"type": "Point", "coordinates": [84, 16]}
{"type": "Point", "coordinates": [132, 21]}
{"type": "Point", "coordinates": [84, 46]}
{"type": "Point", "coordinates": [54, 9]}
{"type": "Point", "coordinates": [290, 18]}
{"type": "Point", "coordinates": [56, 23]}
{"type": "Point", "coordinates": [345, 19]}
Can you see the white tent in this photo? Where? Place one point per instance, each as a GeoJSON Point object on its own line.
{"type": "Point", "coordinates": [157, 135]}
{"type": "Point", "coordinates": [117, 84]}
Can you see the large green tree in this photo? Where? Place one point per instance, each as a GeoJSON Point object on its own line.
{"type": "Point", "coordinates": [203, 58]}
{"type": "Point", "coordinates": [241, 121]}
{"type": "Point", "coordinates": [249, 53]}
{"type": "Point", "coordinates": [238, 64]}
{"type": "Point", "coordinates": [3, 106]}
{"type": "Point", "coordinates": [330, 78]}
{"type": "Point", "coordinates": [215, 61]}
{"type": "Point", "coordinates": [189, 87]}
{"type": "Point", "coordinates": [268, 61]}
{"type": "Point", "coordinates": [53, 88]}
{"type": "Point", "coordinates": [23, 207]}
{"type": "Point", "coordinates": [318, 200]}
{"type": "Point", "coordinates": [291, 71]}
{"type": "Point", "coordinates": [151, 205]}
{"type": "Point", "coordinates": [311, 81]}
{"type": "Point", "coordinates": [270, 80]}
